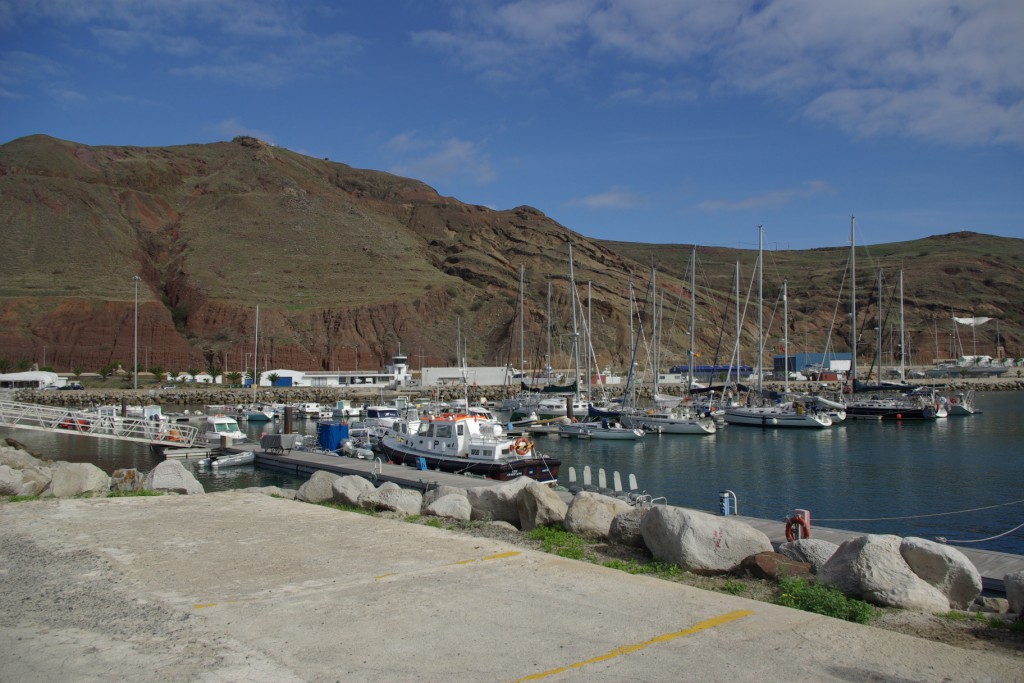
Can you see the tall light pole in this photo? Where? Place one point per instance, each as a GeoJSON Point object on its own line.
{"type": "Point", "coordinates": [135, 363]}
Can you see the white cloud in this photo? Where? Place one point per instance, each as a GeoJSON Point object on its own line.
{"type": "Point", "coordinates": [771, 198]}
{"type": "Point", "coordinates": [615, 198]}
{"type": "Point", "coordinates": [264, 42]}
{"type": "Point", "coordinates": [933, 69]}
{"type": "Point", "coordinates": [439, 161]}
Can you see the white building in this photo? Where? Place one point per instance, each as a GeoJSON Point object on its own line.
{"type": "Point", "coordinates": [33, 379]}
{"type": "Point", "coordinates": [473, 376]}
{"type": "Point", "coordinates": [394, 375]}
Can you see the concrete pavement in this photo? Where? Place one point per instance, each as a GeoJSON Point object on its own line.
{"type": "Point", "coordinates": [236, 586]}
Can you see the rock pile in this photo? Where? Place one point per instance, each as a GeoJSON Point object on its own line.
{"type": "Point", "coordinates": [910, 573]}
{"type": "Point", "coordinates": [23, 474]}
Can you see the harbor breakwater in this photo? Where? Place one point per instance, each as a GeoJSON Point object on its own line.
{"type": "Point", "coordinates": [216, 395]}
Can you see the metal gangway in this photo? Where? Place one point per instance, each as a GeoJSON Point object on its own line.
{"type": "Point", "coordinates": [102, 425]}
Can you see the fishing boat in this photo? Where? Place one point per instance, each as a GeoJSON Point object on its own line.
{"type": "Point", "coordinates": [465, 444]}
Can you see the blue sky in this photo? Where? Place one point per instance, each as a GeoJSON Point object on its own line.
{"type": "Point", "coordinates": [670, 121]}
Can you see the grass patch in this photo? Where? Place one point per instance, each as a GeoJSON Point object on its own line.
{"type": "Point", "coordinates": [957, 615]}
{"type": "Point", "coordinates": [828, 600]}
{"type": "Point", "coordinates": [141, 493]}
{"type": "Point", "coordinates": [20, 499]}
{"type": "Point", "coordinates": [662, 570]}
{"type": "Point", "coordinates": [559, 542]}
{"type": "Point", "coordinates": [434, 522]}
{"type": "Point", "coordinates": [350, 508]}
{"type": "Point", "coordinates": [733, 587]}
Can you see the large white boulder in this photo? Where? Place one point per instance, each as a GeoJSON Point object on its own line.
{"type": "Point", "coordinates": [18, 459]}
{"type": "Point", "coordinates": [171, 475]}
{"type": "Point", "coordinates": [945, 568]}
{"type": "Point", "coordinates": [78, 479]}
{"type": "Point", "coordinates": [319, 488]}
{"type": "Point", "coordinates": [539, 505]}
{"type": "Point", "coordinates": [699, 542]}
{"type": "Point", "coordinates": [391, 496]}
{"type": "Point", "coordinates": [814, 551]}
{"type": "Point", "coordinates": [451, 506]}
{"type": "Point", "coordinates": [872, 568]}
{"type": "Point", "coordinates": [498, 502]}
{"type": "Point", "coordinates": [590, 514]}
{"type": "Point", "coordinates": [1014, 585]}
{"type": "Point", "coordinates": [347, 490]}
{"type": "Point", "coordinates": [10, 481]}
{"type": "Point", "coordinates": [440, 492]}
{"type": "Point", "coordinates": [35, 480]}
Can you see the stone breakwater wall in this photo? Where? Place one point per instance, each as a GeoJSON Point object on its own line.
{"type": "Point", "coordinates": [214, 395]}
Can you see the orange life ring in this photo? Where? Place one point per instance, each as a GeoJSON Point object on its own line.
{"type": "Point", "coordinates": [522, 445]}
{"type": "Point", "coordinates": [797, 528]}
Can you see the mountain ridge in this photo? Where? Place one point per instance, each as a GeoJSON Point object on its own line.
{"type": "Point", "coordinates": [346, 264]}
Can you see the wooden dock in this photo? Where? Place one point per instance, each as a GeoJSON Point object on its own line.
{"type": "Point", "coordinates": [993, 566]}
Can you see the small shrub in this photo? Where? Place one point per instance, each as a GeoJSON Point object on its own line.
{"type": "Point", "coordinates": [956, 615]}
{"type": "Point", "coordinates": [828, 600]}
{"type": "Point", "coordinates": [733, 587]}
{"type": "Point", "coordinates": [434, 522]}
{"type": "Point", "coordinates": [141, 493]}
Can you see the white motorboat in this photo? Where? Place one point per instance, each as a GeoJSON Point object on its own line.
{"type": "Point", "coordinates": [218, 426]}
{"type": "Point", "coordinates": [613, 431]}
{"type": "Point", "coordinates": [230, 459]}
{"type": "Point", "coordinates": [467, 445]}
{"type": "Point", "coordinates": [961, 403]}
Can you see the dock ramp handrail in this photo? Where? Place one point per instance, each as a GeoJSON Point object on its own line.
{"type": "Point", "coordinates": [86, 423]}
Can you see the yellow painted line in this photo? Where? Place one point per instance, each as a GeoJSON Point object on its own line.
{"type": "Point", "coordinates": [211, 604]}
{"type": "Point", "coordinates": [384, 576]}
{"type": "Point", "coordinates": [502, 556]}
{"type": "Point", "coordinates": [628, 649]}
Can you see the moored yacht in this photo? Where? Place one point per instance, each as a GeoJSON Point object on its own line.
{"type": "Point", "coordinates": [464, 444]}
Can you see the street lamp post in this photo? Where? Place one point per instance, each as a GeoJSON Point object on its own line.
{"type": "Point", "coordinates": [135, 363]}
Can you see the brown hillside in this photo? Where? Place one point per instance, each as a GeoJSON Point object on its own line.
{"type": "Point", "coordinates": [344, 261]}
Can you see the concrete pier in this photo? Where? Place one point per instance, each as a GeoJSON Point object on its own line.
{"type": "Point", "coordinates": [993, 566]}
{"type": "Point", "coordinates": [238, 586]}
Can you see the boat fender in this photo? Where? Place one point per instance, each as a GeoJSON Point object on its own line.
{"type": "Point", "coordinates": [797, 528]}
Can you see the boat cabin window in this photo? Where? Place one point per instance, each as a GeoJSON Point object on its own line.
{"type": "Point", "coordinates": [460, 429]}
{"type": "Point", "coordinates": [425, 429]}
{"type": "Point", "coordinates": [443, 431]}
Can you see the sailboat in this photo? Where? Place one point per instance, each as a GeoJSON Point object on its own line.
{"type": "Point", "coordinates": [789, 413]}
{"type": "Point", "coordinates": [887, 401]}
{"type": "Point", "coordinates": [662, 419]}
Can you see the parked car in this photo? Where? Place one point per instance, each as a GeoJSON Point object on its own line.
{"type": "Point", "coordinates": [73, 386]}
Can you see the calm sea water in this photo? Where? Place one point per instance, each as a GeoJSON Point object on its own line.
{"type": "Point", "coordinates": [849, 477]}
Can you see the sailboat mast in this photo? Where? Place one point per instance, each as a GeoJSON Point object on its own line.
{"type": "Point", "coordinates": [575, 325]}
{"type": "Point", "coordinates": [853, 305]}
{"type": "Point", "coordinates": [903, 376]}
{"type": "Point", "coordinates": [547, 358]}
{"type": "Point", "coordinates": [522, 336]}
{"type": "Point", "coordinates": [654, 331]}
{"type": "Point", "coordinates": [589, 345]}
{"type": "Point", "coordinates": [255, 351]}
{"type": "Point", "coordinates": [878, 371]}
{"type": "Point", "coordinates": [760, 308]}
{"type": "Point", "coordinates": [785, 337]}
{"type": "Point", "coordinates": [737, 322]}
{"type": "Point", "coordinates": [693, 315]}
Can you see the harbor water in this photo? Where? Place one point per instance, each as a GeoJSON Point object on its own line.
{"type": "Point", "coordinates": [877, 477]}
